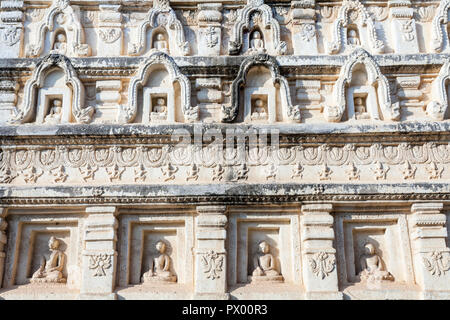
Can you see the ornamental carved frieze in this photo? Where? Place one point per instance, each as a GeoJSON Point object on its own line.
{"type": "Point", "coordinates": [32, 164]}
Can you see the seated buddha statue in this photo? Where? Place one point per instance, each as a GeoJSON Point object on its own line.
{"type": "Point", "coordinates": [60, 45]}
{"type": "Point", "coordinates": [360, 109]}
{"type": "Point", "coordinates": [265, 265]}
{"type": "Point", "coordinates": [51, 270]}
{"type": "Point", "coordinates": [54, 116]}
{"type": "Point", "coordinates": [256, 43]}
{"type": "Point", "coordinates": [259, 110]}
{"type": "Point", "coordinates": [372, 266]}
{"type": "Point", "coordinates": [159, 110]}
{"type": "Point", "coordinates": [160, 267]}
{"type": "Point", "coordinates": [160, 43]}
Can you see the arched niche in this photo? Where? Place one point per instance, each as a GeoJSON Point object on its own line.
{"type": "Point", "coordinates": [360, 77]}
{"type": "Point", "coordinates": [256, 16]}
{"type": "Point", "coordinates": [157, 78]}
{"type": "Point", "coordinates": [440, 29]}
{"type": "Point", "coordinates": [163, 20]}
{"type": "Point", "coordinates": [364, 27]}
{"type": "Point", "coordinates": [54, 79]}
{"type": "Point", "coordinates": [437, 108]}
{"type": "Point", "coordinates": [60, 18]}
{"type": "Point", "coordinates": [259, 78]}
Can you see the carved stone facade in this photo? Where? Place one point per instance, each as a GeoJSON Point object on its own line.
{"type": "Point", "coordinates": [242, 149]}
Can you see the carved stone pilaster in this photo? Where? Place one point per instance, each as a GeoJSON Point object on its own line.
{"type": "Point", "coordinates": [11, 28]}
{"type": "Point", "coordinates": [99, 254]}
{"type": "Point", "coordinates": [209, 97]}
{"type": "Point", "coordinates": [210, 31]}
{"type": "Point", "coordinates": [403, 27]}
{"type": "Point", "coordinates": [304, 31]}
{"type": "Point", "coordinates": [308, 93]}
{"type": "Point", "coordinates": [210, 253]}
{"type": "Point", "coordinates": [3, 226]}
{"type": "Point", "coordinates": [110, 34]}
{"type": "Point", "coordinates": [319, 255]}
{"type": "Point", "coordinates": [8, 99]}
{"type": "Point", "coordinates": [430, 252]}
{"type": "Point", "coordinates": [408, 92]}
{"type": "Point", "coordinates": [108, 98]}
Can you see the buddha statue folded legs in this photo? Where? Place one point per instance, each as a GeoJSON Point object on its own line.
{"type": "Point", "coordinates": [372, 266]}
{"type": "Point", "coordinates": [160, 267]}
{"type": "Point", "coordinates": [51, 270]}
{"type": "Point", "coordinates": [265, 266]}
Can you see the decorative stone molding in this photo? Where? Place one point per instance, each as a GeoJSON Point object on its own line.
{"type": "Point", "coordinates": [303, 16]}
{"type": "Point", "coordinates": [439, 30]}
{"type": "Point", "coordinates": [210, 275]}
{"type": "Point", "coordinates": [430, 252]}
{"type": "Point", "coordinates": [390, 111]}
{"type": "Point", "coordinates": [342, 21]}
{"type": "Point", "coordinates": [210, 29]}
{"type": "Point", "coordinates": [128, 113]}
{"type": "Point", "coordinates": [403, 27]}
{"type": "Point", "coordinates": [160, 16]}
{"type": "Point", "coordinates": [47, 64]}
{"type": "Point", "coordinates": [72, 27]}
{"type": "Point", "coordinates": [11, 28]}
{"type": "Point", "coordinates": [317, 236]}
{"type": "Point", "coordinates": [437, 108]}
{"type": "Point", "coordinates": [229, 113]}
{"type": "Point", "coordinates": [8, 99]}
{"type": "Point", "coordinates": [308, 93]}
{"type": "Point", "coordinates": [244, 22]}
{"type": "Point", "coordinates": [409, 93]}
{"type": "Point", "coordinates": [110, 31]}
{"type": "Point", "coordinates": [99, 256]}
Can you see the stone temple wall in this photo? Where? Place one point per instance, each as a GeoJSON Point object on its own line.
{"type": "Point", "coordinates": [224, 149]}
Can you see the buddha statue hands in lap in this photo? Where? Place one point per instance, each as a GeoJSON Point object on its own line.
{"type": "Point", "coordinates": [54, 116]}
{"type": "Point", "coordinates": [160, 267]}
{"type": "Point", "coordinates": [372, 266]}
{"type": "Point", "coordinates": [360, 109]}
{"type": "Point", "coordinates": [352, 38]}
{"type": "Point", "coordinates": [160, 43]}
{"type": "Point", "coordinates": [51, 270]}
{"type": "Point", "coordinates": [259, 111]}
{"type": "Point", "coordinates": [265, 265]}
{"type": "Point", "coordinates": [159, 110]}
{"type": "Point", "coordinates": [257, 43]}
{"type": "Point", "coordinates": [60, 45]}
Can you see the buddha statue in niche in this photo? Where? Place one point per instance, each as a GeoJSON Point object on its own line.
{"type": "Point", "coordinates": [51, 270]}
{"type": "Point", "coordinates": [160, 267]}
{"type": "Point", "coordinates": [159, 110]}
{"type": "Point", "coordinates": [353, 38]}
{"type": "Point", "coordinates": [265, 265]}
{"type": "Point", "coordinates": [372, 266]}
{"type": "Point", "coordinates": [259, 110]}
{"type": "Point", "coordinates": [55, 113]}
{"type": "Point", "coordinates": [360, 108]}
{"type": "Point", "coordinates": [257, 43]}
{"type": "Point", "coordinates": [60, 45]}
{"type": "Point", "coordinates": [160, 43]}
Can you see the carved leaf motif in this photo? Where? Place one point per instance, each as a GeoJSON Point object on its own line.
{"type": "Point", "coordinates": [322, 264]}
{"type": "Point", "coordinates": [212, 264]}
{"type": "Point", "coordinates": [109, 35]}
{"type": "Point", "coordinates": [47, 157]}
{"type": "Point", "coordinates": [436, 263]}
{"type": "Point", "coordinates": [100, 263]}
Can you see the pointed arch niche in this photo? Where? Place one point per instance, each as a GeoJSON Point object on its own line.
{"type": "Point", "coordinates": [440, 27]}
{"type": "Point", "coordinates": [437, 108]}
{"type": "Point", "coordinates": [54, 79]}
{"type": "Point", "coordinates": [260, 89]}
{"type": "Point", "coordinates": [160, 20]}
{"type": "Point", "coordinates": [361, 92]}
{"type": "Point", "coordinates": [363, 28]}
{"type": "Point", "coordinates": [163, 92]}
{"type": "Point", "coordinates": [60, 18]}
{"type": "Point", "coordinates": [256, 16]}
